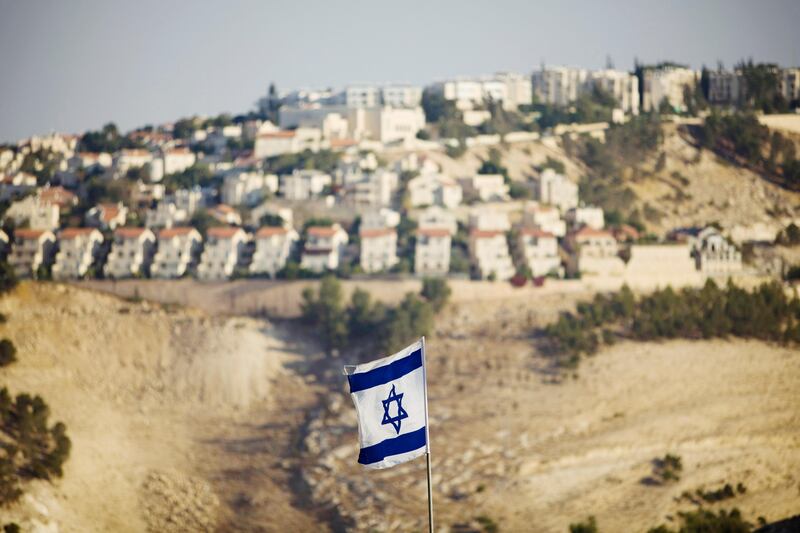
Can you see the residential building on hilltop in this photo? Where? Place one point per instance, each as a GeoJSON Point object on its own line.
{"type": "Point", "coordinates": [274, 246]}
{"type": "Point", "coordinates": [225, 250]}
{"type": "Point", "coordinates": [178, 252]}
{"type": "Point", "coordinates": [32, 249]}
{"type": "Point", "coordinates": [432, 251]}
{"type": "Point", "coordinates": [378, 249]}
{"type": "Point", "coordinates": [107, 216]}
{"type": "Point", "coordinates": [78, 250]}
{"type": "Point", "coordinates": [35, 212]}
{"type": "Point", "coordinates": [324, 247]}
{"type": "Point", "coordinates": [131, 253]}
{"type": "Point", "coordinates": [540, 252]}
{"type": "Point", "coordinates": [490, 256]}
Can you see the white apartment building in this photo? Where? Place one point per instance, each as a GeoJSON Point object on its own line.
{"type": "Point", "coordinates": [375, 189]}
{"type": "Point", "coordinates": [274, 246]}
{"type": "Point", "coordinates": [189, 200]}
{"type": "Point", "coordinates": [623, 86]}
{"type": "Point", "coordinates": [401, 95]}
{"type": "Point", "coordinates": [32, 248]}
{"type": "Point", "coordinates": [178, 251]}
{"type": "Point", "coordinates": [485, 187]}
{"type": "Point", "coordinates": [247, 187]}
{"type": "Point", "coordinates": [287, 142]}
{"type": "Point", "coordinates": [34, 211]}
{"type": "Point", "coordinates": [361, 96]}
{"type": "Point", "coordinates": [77, 252]}
{"type": "Point", "coordinates": [107, 216]}
{"type": "Point", "coordinates": [304, 184]}
{"type": "Point", "coordinates": [131, 252]}
{"type": "Point", "coordinates": [555, 189]}
{"type": "Point", "coordinates": [432, 251]}
{"type": "Point", "coordinates": [332, 120]}
{"type": "Point", "coordinates": [378, 249]}
{"type": "Point", "coordinates": [171, 161]}
{"type": "Point", "coordinates": [509, 88]}
{"type": "Point", "coordinates": [127, 159]}
{"type": "Point", "coordinates": [559, 86]}
{"type": "Point", "coordinates": [434, 189]}
{"type": "Point", "coordinates": [165, 215]}
{"type": "Point", "coordinates": [540, 252]}
{"type": "Point", "coordinates": [90, 161]}
{"type": "Point", "coordinates": [489, 220]}
{"type": "Point", "coordinates": [387, 124]}
{"type": "Point", "coordinates": [224, 251]}
{"type": "Point", "coordinates": [380, 218]}
{"type": "Point", "coordinates": [666, 83]}
{"type": "Point", "coordinates": [489, 253]}
{"type": "Point", "coordinates": [435, 217]}
{"type": "Point", "coordinates": [544, 217]}
{"type": "Point", "coordinates": [586, 216]}
{"type": "Point", "coordinates": [725, 87]}
{"type": "Point", "coordinates": [790, 83]}
{"type": "Point", "coordinates": [323, 248]}
{"type": "Point", "coordinates": [594, 252]}
{"type": "Point", "coordinates": [714, 255]}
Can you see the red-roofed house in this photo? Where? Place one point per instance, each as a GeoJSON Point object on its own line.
{"type": "Point", "coordinates": [32, 249]}
{"type": "Point", "coordinates": [378, 249]}
{"type": "Point", "coordinates": [178, 251]}
{"type": "Point", "coordinates": [274, 245]}
{"type": "Point", "coordinates": [131, 253]}
{"type": "Point", "coordinates": [59, 196]}
{"type": "Point", "coordinates": [225, 250]}
{"type": "Point", "coordinates": [107, 216]}
{"type": "Point", "coordinates": [540, 251]}
{"type": "Point", "coordinates": [226, 214]}
{"type": "Point", "coordinates": [594, 252]}
{"type": "Point", "coordinates": [78, 249]}
{"type": "Point", "coordinates": [324, 247]}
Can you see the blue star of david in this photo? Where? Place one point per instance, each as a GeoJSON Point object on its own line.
{"type": "Point", "coordinates": [401, 413]}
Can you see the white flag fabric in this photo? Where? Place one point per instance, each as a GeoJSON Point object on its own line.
{"type": "Point", "coordinates": [390, 396]}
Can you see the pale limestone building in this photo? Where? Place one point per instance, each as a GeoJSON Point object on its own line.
{"type": "Point", "coordinates": [540, 252]}
{"type": "Point", "coordinates": [324, 247]}
{"type": "Point", "coordinates": [32, 248]}
{"type": "Point", "coordinates": [274, 246]}
{"type": "Point", "coordinates": [178, 252]}
{"type": "Point", "coordinates": [224, 251]}
{"type": "Point", "coordinates": [432, 251]}
{"type": "Point", "coordinates": [378, 249]}
{"type": "Point", "coordinates": [131, 253]}
{"type": "Point", "coordinates": [78, 250]}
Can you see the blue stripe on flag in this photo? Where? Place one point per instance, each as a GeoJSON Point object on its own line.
{"type": "Point", "coordinates": [385, 374]}
{"type": "Point", "coordinates": [394, 446]}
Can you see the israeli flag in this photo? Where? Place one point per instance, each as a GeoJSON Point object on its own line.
{"type": "Point", "coordinates": [391, 402]}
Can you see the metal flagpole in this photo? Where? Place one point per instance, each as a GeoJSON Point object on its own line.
{"type": "Point", "coordinates": [427, 441]}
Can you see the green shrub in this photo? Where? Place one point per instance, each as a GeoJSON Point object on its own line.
{"type": "Point", "coordinates": [32, 448]}
{"type": "Point", "coordinates": [589, 526]}
{"type": "Point", "coordinates": [436, 291]}
{"type": "Point", "coordinates": [705, 521]}
{"type": "Point", "coordinates": [8, 352]}
{"type": "Point", "coordinates": [8, 279]}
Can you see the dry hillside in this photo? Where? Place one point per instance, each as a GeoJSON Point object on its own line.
{"type": "Point", "coordinates": [183, 420]}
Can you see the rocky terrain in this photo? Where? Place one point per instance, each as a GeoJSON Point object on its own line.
{"type": "Point", "coordinates": [183, 420]}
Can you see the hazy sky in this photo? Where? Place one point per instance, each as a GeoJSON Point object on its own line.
{"type": "Point", "coordinates": [75, 65]}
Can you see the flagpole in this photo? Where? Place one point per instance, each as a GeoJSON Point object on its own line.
{"type": "Point", "coordinates": [427, 440]}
